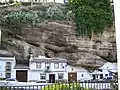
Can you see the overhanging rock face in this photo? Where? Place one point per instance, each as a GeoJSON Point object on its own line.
{"type": "Point", "coordinates": [57, 39]}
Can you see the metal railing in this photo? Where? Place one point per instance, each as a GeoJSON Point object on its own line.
{"type": "Point", "coordinates": [86, 85]}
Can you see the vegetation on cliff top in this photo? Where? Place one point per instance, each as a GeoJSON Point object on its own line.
{"type": "Point", "coordinates": [91, 16]}
{"type": "Point", "coordinates": [34, 15]}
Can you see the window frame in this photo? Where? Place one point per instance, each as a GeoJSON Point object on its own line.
{"type": "Point", "coordinates": [46, 65]}
{"type": "Point", "coordinates": [59, 76]}
{"type": "Point", "coordinates": [55, 65]}
{"type": "Point", "coordinates": [42, 75]}
{"type": "Point", "coordinates": [106, 75]}
{"type": "Point", "coordinates": [8, 66]}
{"type": "Point", "coordinates": [110, 73]}
{"type": "Point", "coordinates": [9, 75]}
{"type": "Point", "coordinates": [38, 65]}
{"type": "Point", "coordinates": [82, 75]}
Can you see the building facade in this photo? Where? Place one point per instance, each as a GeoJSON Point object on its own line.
{"type": "Point", "coordinates": [77, 73]}
{"type": "Point", "coordinates": [56, 69]}
{"type": "Point", "coordinates": [7, 65]}
{"type": "Point", "coordinates": [105, 72]}
{"type": "Point", "coordinates": [42, 68]}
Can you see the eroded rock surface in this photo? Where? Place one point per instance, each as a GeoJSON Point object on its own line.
{"type": "Point", "coordinates": [55, 39]}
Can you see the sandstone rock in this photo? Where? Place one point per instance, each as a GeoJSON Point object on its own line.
{"type": "Point", "coordinates": [57, 39]}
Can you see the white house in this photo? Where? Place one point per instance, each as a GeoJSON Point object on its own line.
{"type": "Point", "coordinates": [42, 68]}
{"type": "Point", "coordinates": [81, 73]}
{"type": "Point", "coordinates": [104, 72]}
{"type": "Point", "coordinates": [7, 67]}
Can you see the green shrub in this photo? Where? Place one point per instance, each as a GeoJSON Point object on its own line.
{"type": "Point", "coordinates": [63, 86]}
{"type": "Point", "coordinates": [91, 15]}
{"type": "Point", "coordinates": [54, 13]}
{"type": "Point", "coordinates": [3, 88]}
{"type": "Point", "coordinates": [18, 18]}
{"type": "Point", "coordinates": [69, 15]}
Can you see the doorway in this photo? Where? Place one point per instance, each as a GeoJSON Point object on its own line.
{"type": "Point", "coordinates": [21, 75]}
{"type": "Point", "coordinates": [94, 77]}
{"type": "Point", "coordinates": [101, 76]}
{"type": "Point", "coordinates": [51, 78]}
{"type": "Point", "coordinates": [72, 76]}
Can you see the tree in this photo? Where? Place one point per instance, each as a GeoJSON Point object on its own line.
{"type": "Point", "coordinates": [91, 16]}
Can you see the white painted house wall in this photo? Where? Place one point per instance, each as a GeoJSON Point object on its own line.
{"type": "Point", "coordinates": [82, 74]}
{"type": "Point", "coordinates": [105, 70]}
{"type": "Point", "coordinates": [3, 61]}
{"type": "Point", "coordinates": [34, 72]}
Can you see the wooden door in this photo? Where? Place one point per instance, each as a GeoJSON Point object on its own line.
{"type": "Point", "coordinates": [72, 76]}
{"type": "Point", "coordinates": [21, 75]}
{"type": "Point", "coordinates": [51, 78]}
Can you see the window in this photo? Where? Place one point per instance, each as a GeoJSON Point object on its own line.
{"type": "Point", "coordinates": [101, 76]}
{"type": "Point", "coordinates": [62, 66]}
{"type": "Point", "coordinates": [47, 65]}
{"type": "Point", "coordinates": [60, 75]}
{"type": "Point", "coordinates": [93, 76]}
{"type": "Point", "coordinates": [8, 75]}
{"type": "Point", "coordinates": [38, 65]}
{"type": "Point", "coordinates": [8, 66]}
{"type": "Point", "coordinates": [42, 76]}
{"type": "Point", "coordinates": [82, 75]}
{"type": "Point", "coordinates": [56, 65]}
{"type": "Point", "coordinates": [106, 74]}
{"type": "Point", "coordinates": [110, 73]}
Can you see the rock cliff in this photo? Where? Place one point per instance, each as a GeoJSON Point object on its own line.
{"type": "Point", "coordinates": [54, 38]}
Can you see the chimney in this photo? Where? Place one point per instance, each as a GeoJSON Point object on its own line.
{"type": "Point", "coordinates": [31, 57]}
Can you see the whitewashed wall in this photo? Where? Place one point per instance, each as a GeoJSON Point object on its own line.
{"type": "Point", "coordinates": [33, 66]}
{"type": "Point", "coordinates": [106, 68]}
{"type": "Point", "coordinates": [3, 61]}
{"type": "Point", "coordinates": [80, 71]}
{"type": "Point", "coordinates": [34, 73]}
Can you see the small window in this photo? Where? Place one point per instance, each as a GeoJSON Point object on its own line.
{"type": "Point", "coordinates": [8, 75]}
{"type": "Point", "coordinates": [101, 76]}
{"type": "Point", "coordinates": [8, 63]}
{"type": "Point", "coordinates": [60, 75]}
{"type": "Point", "coordinates": [110, 73]}
{"type": "Point", "coordinates": [82, 75]}
{"type": "Point", "coordinates": [47, 66]}
{"type": "Point", "coordinates": [8, 66]}
{"type": "Point", "coordinates": [106, 74]}
{"type": "Point", "coordinates": [56, 65]}
{"type": "Point", "coordinates": [38, 65]}
{"type": "Point", "coordinates": [42, 76]}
